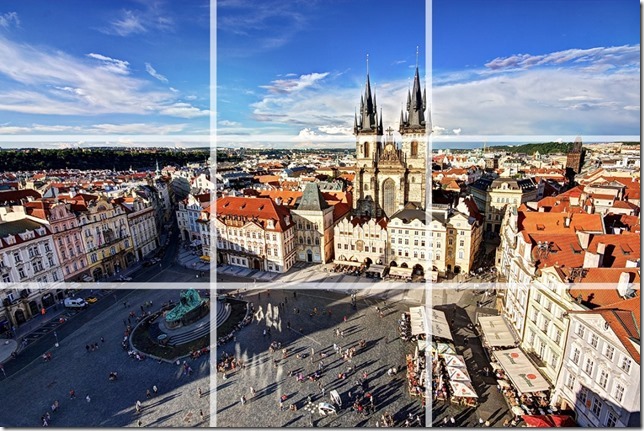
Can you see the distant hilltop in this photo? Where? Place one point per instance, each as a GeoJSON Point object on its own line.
{"type": "Point", "coordinates": [119, 159]}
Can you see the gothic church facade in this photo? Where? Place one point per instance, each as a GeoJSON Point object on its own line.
{"type": "Point", "coordinates": [390, 175]}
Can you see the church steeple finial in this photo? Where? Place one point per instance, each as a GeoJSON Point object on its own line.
{"type": "Point", "coordinates": [368, 118]}
{"type": "Point", "coordinates": [416, 56]}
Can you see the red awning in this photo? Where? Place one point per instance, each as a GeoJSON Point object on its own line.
{"type": "Point", "coordinates": [538, 421]}
{"type": "Point", "coordinates": [549, 421]}
{"type": "Point", "coordinates": [563, 421]}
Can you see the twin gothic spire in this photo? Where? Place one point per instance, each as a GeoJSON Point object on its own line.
{"type": "Point", "coordinates": [411, 118]}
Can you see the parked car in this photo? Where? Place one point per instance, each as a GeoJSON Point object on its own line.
{"type": "Point", "coordinates": [122, 278]}
{"type": "Point", "coordinates": [91, 299]}
{"type": "Point", "coordinates": [75, 303]}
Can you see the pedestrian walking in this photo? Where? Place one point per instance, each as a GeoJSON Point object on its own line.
{"type": "Point", "coordinates": [201, 415]}
{"type": "Point", "coordinates": [139, 423]}
{"type": "Point", "coordinates": [155, 389]}
{"type": "Point", "coordinates": [72, 394]}
{"type": "Point", "coordinates": [252, 391]}
{"type": "Point", "coordinates": [148, 394]}
{"type": "Point", "coordinates": [137, 406]}
{"type": "Point", "coordinates": [243, 400]}
{"type": "Point", "coordinates": [288, 324]}
{"type": "Point", "coordinates": [452, 420]}
{"type": "Point", "coordinates": [199, 392]}
{"type": "Point", "coordinates": [87, 398]}
{"type": "Point", "coordinates": [102, 340]}
{"type": "Point", "coordinates": [445, 421]}
{"type": "Point", "coordinates": [294, 295]}
{"type": "Point", "coordinates": [281, 406]}
{"type": "Point", "coordinates": [481, 421]}
{"type": "Point", "coordinates": [285, 299]}
{"type": "Point", "coordinates": [323, 390]}
{"type": "Point", "coordinates": [87, 347]}
{"type": "Point", "coordinates": [125, 304]}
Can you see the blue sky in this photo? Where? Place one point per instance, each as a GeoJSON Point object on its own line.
{"type": "Point", "coordinates": [558, 68]}
{"type": "Point", "coordinates": [74, 68]}
{"type": "Point", "coordinates": [291, 73]}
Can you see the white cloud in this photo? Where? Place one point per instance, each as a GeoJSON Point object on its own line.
{"type": "Point", "coordinates": [336, 130]}
{"type": "Point", "coordinates": [295, 84]}
{"type": "Point", "coordinates": [95, 129]}
{"type": "Point", "coordinates": [130, 21]}
{"type": "Point", "coordinates": [457, 131]}
{"type": "Point", "coordinates": [541, 102]}
{"type": "Point", "coordinates": [626, 55]}
{"type": "Point", "coordinates": [9, 19]}
{"type": "Point", "coordinates": [155, 74]}
{"type": "Point", "coordinates": [306, 133]}
{"type": "Point", "coordinates": [228, 123]}
{"type": "Point", "coordinates": [327, 108]}
{"type": "Point", "coordinates": [112, 64]}
{"type": "Point", "coordinates": [39, 81]}
{"type": "Point", "coordinates": [184, 110]}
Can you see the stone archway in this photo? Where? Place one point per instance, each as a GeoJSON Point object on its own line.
{"type": "Point", "coordinates": [19, 316]}
{"type": "Point", "coordinates": [404, 265]}
{"type": "Point", "coordinates": [418, 269]}
{"type": "Point", "coordinates": [393, 263]}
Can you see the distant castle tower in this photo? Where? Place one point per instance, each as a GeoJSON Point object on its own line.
{"type": "Point", "coordinates": [575, 159]}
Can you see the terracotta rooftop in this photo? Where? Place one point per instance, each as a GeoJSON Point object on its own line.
{"type": "Point", "coordinates": [259, 210]}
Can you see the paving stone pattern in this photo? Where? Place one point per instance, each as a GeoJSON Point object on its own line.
{"type": "Point", "coordinates": [384, 350]}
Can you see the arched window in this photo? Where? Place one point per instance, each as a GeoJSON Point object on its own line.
{"type": "Point", "coordinates": [389, 197]}
{"type": "Point", "coordinates": [366, 150]}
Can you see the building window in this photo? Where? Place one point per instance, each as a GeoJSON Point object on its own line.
{"type": "Point", "coordinates": [626, 364]}
{"type": "Point", "coordinates": [570, 381]}
{"type": "Point", "coordinates": [583, 394]}
{"type": "Point", "coordinates": [593, 340]}
{"type": "Point", "coordinates": [603, 379]}
{"type": "Point", "coordinates": [619, 392]}
{"type": "Point", "coordinates": [6, 278]}
{"type": "Point", "coordinates": [588, 368]}
{"type": "Point", "coordinates": [575, 356]}
{"type": "Point", "coordinates": [611, 420]}
{"type": "Point", "coordinates": [609, 352]}
{"type": "Point", "coordinates": [596, 407]}
{"type": "Point", "coordinates": [581, 330]}
{"type": "Point", "coordinates": [339, 246]}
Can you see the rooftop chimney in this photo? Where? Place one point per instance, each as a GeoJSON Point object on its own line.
{"type": "Point", "coordinates": [592, 260]}
{"type": "Point", "coordinates": [584, 239]}
{"type": "Point", "coordinates": [567, 221]}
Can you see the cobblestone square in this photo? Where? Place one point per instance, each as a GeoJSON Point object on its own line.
{"type": "Point", "coordinates": [305, 324]}
{"type": "Point", "coordinates": [29, 392]}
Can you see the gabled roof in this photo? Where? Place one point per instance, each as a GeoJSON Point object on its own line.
{"type": "Point", "coordinates": [623, 317]}
{"type": "Point", "coordinates": [312, 199]}
{"type": "Point", "coordinates": [259, 209]}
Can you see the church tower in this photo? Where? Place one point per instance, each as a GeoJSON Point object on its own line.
{"type": "Point", "coordinates": [414, 131]}
{"type": "Point", "coordinates": [367, 127]}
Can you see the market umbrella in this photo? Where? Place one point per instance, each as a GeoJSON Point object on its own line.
{"type": "Point", "coordinates": [463, 389]}
{"type": "Point", "coordinates": [454, 361]}
{"type": "Point", "coordinates": [446, 348]}
{"type": "Point", "coordinates": [458, 374]}
{"type": "Point", "coordinates": [517, 410]}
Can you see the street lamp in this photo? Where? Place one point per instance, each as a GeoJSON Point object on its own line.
{"type": "Point", "coordinates": [56, 336]}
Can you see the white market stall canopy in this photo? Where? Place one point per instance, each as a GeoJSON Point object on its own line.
{"type": "Point", "coordinates": [400, 272]}
{"type": "Point", "coordinates": [458, 374]}
{"type": "Point", "coordinates": [525, 377]}
{"type": "Point", "coordinates": [445, 349]}
{"type": "Point", "coordinates": [418, 319]}
{"type": "Point", "coordinates": [440, 328]}
{"type": "Point", "coordinates": [463, 389]}
{"type": "Point", "coordinates": [347, 263]}
{"type": "Point", "coordinates": [379, 269]}
{"type": "Point", "coordinates": [496, 330]}
{"type": "Point", "coordinates": [454, 361]}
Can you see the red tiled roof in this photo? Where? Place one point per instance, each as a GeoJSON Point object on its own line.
{"type": "Point", "coordinates": [553, 223]}
{"type": "Point", "coordinates": [619, 248]}
{"type": "Point", "coordinates": [259, 210]}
